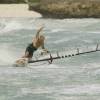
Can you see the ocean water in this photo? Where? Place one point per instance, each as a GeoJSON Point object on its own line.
{"type": "Point", "coordinates": [74, 78]}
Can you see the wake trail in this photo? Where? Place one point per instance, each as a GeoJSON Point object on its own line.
{"type": "Point", "coordinates": [6, 56]}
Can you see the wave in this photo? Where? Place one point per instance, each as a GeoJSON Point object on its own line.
{"type": "Point", "coordinates": [7, 25]}
{"type": "Point", "coordinates": [69, 25]}
{"type": "Point", "coordinates": [65, 39]}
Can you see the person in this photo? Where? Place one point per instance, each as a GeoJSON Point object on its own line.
{"type": "Point", "coordinates": [37, 42]}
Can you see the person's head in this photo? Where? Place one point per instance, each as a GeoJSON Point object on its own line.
{"type": "Point", "coordinates": [42, 38]}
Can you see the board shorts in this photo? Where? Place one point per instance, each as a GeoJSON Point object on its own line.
{"type": "Point", "coordinates": [30, 49]}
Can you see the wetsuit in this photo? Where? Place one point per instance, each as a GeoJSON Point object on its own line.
{"type": "Point", "coordinates": [30, 49]}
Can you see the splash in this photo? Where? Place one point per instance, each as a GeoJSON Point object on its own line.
{"type": "Point", "coordinates": [6, 56]}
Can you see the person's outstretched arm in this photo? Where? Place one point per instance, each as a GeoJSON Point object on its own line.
{"type": "Point", "coordinates": [38, 32]}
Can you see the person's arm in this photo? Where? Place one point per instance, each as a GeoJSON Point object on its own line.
{"type": "Point", "coordinates": [43, 47]}
{"type": "Point", "coordinates": [44, 50]}
{"type": "Point", "coordinates": [38, 32]}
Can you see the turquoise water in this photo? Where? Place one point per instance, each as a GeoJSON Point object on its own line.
{"type": "Point", "coordinates": [75, 78]}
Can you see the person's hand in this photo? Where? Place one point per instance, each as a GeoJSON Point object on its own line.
{"type": "Point", "coordinates": [41, 28]}
{"type": "Point", "coordinates": [45, 51]}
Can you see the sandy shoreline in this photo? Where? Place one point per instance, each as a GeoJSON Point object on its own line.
{"type": "Point", "coordinates": [17, 10]}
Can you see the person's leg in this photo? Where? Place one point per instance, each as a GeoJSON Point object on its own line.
{"type": "Point", "coordinates": [29, 55]}
{"type": "Point", "coordinates": [26, 55]}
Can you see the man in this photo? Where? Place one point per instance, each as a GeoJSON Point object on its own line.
{"type": "Point", "coordinates": [37, 42]}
